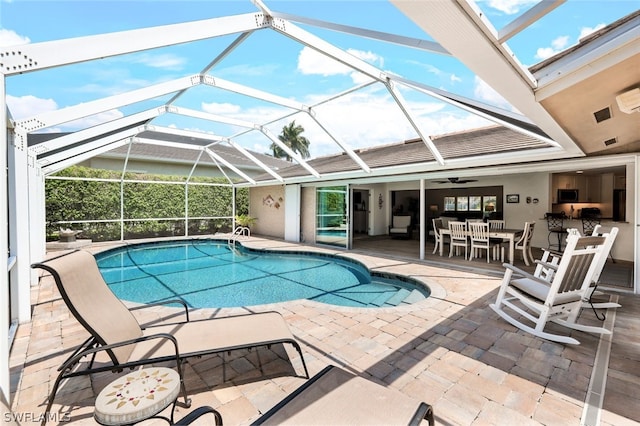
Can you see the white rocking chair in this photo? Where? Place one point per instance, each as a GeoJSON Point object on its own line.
{"type": "Point", "coordinates": [538, 301]}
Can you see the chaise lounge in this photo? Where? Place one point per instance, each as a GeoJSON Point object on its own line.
{"type": "Point", "coordinates": [116, 332]}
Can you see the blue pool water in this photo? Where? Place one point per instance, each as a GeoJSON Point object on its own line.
{"type": "Point", "coordinates": [208, 274]}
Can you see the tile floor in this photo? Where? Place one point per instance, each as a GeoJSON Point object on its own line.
{"type": "Point", "coordinates": [449, 350]}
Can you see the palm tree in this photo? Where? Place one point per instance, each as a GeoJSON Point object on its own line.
{"type": "Point", "coordinates": [292, 137]}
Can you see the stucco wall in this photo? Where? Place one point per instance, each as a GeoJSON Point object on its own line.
{"type": "Point", "coordinates": [267, 204]}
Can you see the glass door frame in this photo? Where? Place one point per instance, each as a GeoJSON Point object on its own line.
{"type": "Point", "coordinates": [333, 218]}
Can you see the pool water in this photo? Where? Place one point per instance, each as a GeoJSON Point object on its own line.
{"type": "Point", "coordinates": [209, 274]}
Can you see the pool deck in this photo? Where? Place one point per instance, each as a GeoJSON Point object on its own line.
{"type": "Point", "coordinates": [450, 350]}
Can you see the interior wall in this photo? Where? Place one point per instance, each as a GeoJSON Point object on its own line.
{"type": "Point", "coordinates": [379, 215]}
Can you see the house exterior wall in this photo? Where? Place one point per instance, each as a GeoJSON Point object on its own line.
{"type": "Point", "coordinates": [267, 204]}
{"type": "Point", "coordinates": [534, 185]}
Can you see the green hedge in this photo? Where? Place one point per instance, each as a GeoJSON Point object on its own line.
{"type": "Point", "coordinates": [69, 200]}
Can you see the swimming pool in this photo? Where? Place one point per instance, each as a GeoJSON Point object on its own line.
{"type": "Point", "coordinates": [209, 274]}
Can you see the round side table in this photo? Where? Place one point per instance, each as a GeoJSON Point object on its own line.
{"type": "Point", "coordinates": [137, 396]}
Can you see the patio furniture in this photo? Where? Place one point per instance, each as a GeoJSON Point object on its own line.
{"type": "Point", "coordinates": [479, 236]}
{"type": "Point", "coordinates": [458, 237]}
{"type": "Point", "coordinates": [536, 301]}
{"type": "Point", "coordinates": [497, 243]}
{"type": "Point", "coordinates": [496, 224]}
{"type": "Point", "coordinates": [137, 396]}
{"type": "Point", "coordinates": [524, 243]}
{"type": "Point", "coordinates": [509, 235]}
{"type": "Point", "coordinates": [335, 396]}
{"type": "Point", "coordinates": [555, 225]}
{"type": "Point", "coordinates": [590, 226]}
{"type": "Point", "coordinates": [401, 227]}
{"type": "Point", "coordinates": [119, 341]}
{"type": "Point", "coordinates": [548, 264]}
{"type": "Point", "coordinates": [437, 233]}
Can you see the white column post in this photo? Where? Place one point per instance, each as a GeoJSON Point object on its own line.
{"type": "Point", "coordinates": [423, 222]}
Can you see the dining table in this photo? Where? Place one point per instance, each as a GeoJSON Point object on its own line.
{"type": "Point", "coordinates": [509, 235]}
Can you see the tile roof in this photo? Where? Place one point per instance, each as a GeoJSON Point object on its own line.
{"type": "Point", "coordinates": [468, 143]}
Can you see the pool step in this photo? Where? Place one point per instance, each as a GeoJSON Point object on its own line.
{"type": "Point", "coordinates": [413, 297]}
{"type": "Point", "coordinates": [382, 299]}
{"type": "Point", "coordinates": [398, 297]}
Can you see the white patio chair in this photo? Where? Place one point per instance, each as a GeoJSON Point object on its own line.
{"type": "Point", "coordinates": [479, 238]}
{"type": "Point", "coordinates": [458, 237]}
{"type": "Point", "coordinates": [524, 243]}
{"type": "Point", "coordinates": [536, 301]}
{"type": "Point", "coordinates": [439, 238]}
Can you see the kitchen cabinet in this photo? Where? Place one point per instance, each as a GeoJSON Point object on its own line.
{"type": "Point", "coordinates": [589, 186]}
{"type": "Point", "coordinates": [575, 181]}
{"type": "Point", "coordinates": [594, 189]}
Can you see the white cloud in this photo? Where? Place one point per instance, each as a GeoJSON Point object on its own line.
{"type": "Point", "coordinates": [585, 31]}
{"type": "Point", "coordinates": [510, 7]}
{"type": "Point", "coordinates": [11, 38]}
{"type": "Point", "coordinates": [164, 61]}
{"type": "Point", "coordinates": [486, 93]}
{"type": "Point", "coordinates": [557, 45]}
{"type": "Point", "coordinates": [365, 119]}
{"type": "Point", "coordinates": [311, 62]}
{"type": "Point", "coordinates": [455, 79]}
{"type": "Point", "coordinates": [29, 106]}
{"type": "Point", "coordinates": [220, 108]}
{"type": "Point", "coordinates": [368, 56]}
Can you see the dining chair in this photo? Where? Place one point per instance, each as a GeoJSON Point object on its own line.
{"type": "Point", "coordinates": [524, 243]}
{"type": "Point", "coordinates": [496, 224]}
{"type": "Point", "coordinates": [479, 238]}
{"type": "Point", "coordinates": [497, 243]}
{"type": "Point", "coordinates": [458, 237]}
{"type": "Point", "coordinates": [439, 238]}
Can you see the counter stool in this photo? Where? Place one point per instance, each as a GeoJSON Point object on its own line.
{"type": "Point", "coordinates": [555, 225]}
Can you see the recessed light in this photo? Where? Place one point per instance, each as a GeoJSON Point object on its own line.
{"type": "Point", "coordinates": [579, 172]}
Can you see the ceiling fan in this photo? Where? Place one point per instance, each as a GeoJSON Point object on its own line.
{"type": "Point", "coordinates": [455, 180]}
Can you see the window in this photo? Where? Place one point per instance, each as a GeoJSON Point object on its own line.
{"type": "Point", "coordinates": [449, 204]}
{"type": "Point", "coordinates": [475, 203]}
{"type": "Point", "coordinates": [462, 203]}
{"type": "Point", "coordinates": [489, 203]}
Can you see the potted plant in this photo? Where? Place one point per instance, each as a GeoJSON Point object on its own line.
{"type": "Point", "coordinates": [245, 220]}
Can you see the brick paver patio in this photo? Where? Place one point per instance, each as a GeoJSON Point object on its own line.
{"type": "Point", "coordinates": [449, 350]}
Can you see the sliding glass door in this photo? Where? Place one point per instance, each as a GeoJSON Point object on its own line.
{"type": "Point", "coordinates": [332, 216]}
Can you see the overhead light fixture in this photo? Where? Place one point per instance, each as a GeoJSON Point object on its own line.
{"type": "Point", "coordinates": [629, 101]}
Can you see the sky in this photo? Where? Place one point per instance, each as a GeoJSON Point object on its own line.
{"type": "Point", "coordinates": [274, 64]}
